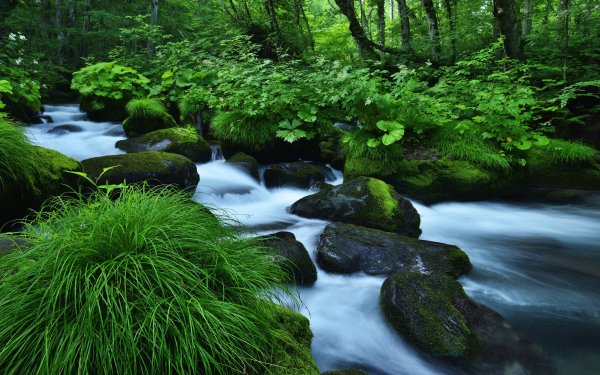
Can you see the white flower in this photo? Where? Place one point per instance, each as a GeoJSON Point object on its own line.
{"type": "Point", "coordinates": [368, 101]}
{"type": "Point", "coordinates": [35, 62]}
{"type": "Point", "coordinates": [19, 61]}
{"type": "Point", "coordinates": [12, 36]}
{"type": "Point", "coordinates": [428, 63]}
{"type": "Point", "coordinates": [22, 37]}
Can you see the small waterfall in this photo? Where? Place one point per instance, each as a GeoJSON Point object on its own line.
{"type": "Point", "coordinates": [217, 153]}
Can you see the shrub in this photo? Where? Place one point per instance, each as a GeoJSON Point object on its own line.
{"type": "Point", "coordinates": [146, 282]}
{"type": "Point", "coordinates": [15, 154]}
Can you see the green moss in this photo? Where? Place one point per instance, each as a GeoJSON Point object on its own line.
{"type": "Point", "coordinates": [547, 170]}
{"type": "Point", "coordinates": [381, 194]}
{"type": "Point", "coordinates": [437, 180]}
{"type": "Point", "coordinates": [421, 307]}
{"type": "Point", "coordinates": [292, 356]}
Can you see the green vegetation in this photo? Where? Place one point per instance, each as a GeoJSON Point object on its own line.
{"type": "Point", "coordinates": [15, 155]}
{"type": "Point", "coordinates": [146, 282]}
{"type": "Point", "coordinates": [145, 116]}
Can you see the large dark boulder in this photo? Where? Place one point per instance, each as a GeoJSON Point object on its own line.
{"type": "Point", "coordinates": [245, 163]}
{"type": "Point", "coordinates": [347, 248]}
{"type": "Point", "coordinates": [434, 313]}
{"type": "Point", "coordinates": [102, 109]}
{"type": "Point", "coordinates": [65, 129]}
{"type": "Point", "coordinates": [294, 257]}
{"type": "Point", "coordinates": [432, 181]}
{"type": "Point", "coordinates": [363, 201]}
{"type": "Point", "coordinates": [48, 177]}
{"type": "Point", "coordinates": [183, 141]}
{"type": "Point", "coordinates": [298, 174]}
{"type": "Point", "coordinates": [155, 168]}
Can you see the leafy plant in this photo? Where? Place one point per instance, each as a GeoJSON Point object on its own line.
{"type": "Point", "coordinates": [142, 282]}
{"type": "Point", "coordinates": [108, 80]}
{"type": "Point", "coordinates": [290, 131]}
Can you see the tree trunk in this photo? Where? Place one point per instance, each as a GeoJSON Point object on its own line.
{"type": "Point", "coordinates": [60, 36]}
{"type": "Point", "coordinates": [272, 17]}
{"type": "Point", "coordinates": [586, 18]}
{"type": "Point", "coordinates": [527, 16]}
{"type": "Point", "coordinates": [506, 18]}
{"type": "Point", "coordinates": [153, 23]}
{"type": "Point", "coordinates": [450, 6]}
{"type": "Point", "coordinates": [365, 49]}
{"type": "Point", "coordinates": [405, 23]}
{"type": "Point", "coordinates": [311, 40]}
{"type": "Point", "coordinates": [391, 10]}
{"type": "Point", "coordinates": [434, 31]}
{"type": "Point", "coordinates": [563, 32]}
{"type": "Point", "coordinates": [381, 21]}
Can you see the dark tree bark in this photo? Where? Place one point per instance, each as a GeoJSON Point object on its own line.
{"type": "Point", "coordinates": [300, 15]}
{"type": "Point", "coordinates": [405, 22]}
{"type": "Point", "coordinates": [506, 18]}
{"type": "Point", "coordinates": [270, 7]}
{"type": "Point", "coordinates": [381, 21]}
{"type": "Point", "coordinates": [153, 23]}
{"type": "Point", "coordinates": [527, 16]}
{"type": "Point", "coordinates": [450, 6]}
{"type": "Point", "coordinates": [434, 30]}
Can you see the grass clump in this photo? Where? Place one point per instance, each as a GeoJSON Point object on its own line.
{"type": "Point", "coordinates": [145, 108]}
{"type": "Point", "coordinates": [566, 152]}
{"type": "Point", "coordinates": [240, 129]}
{"type": "Point", "coordinates": [146, 282]}
{"type": "Point", "coordinates": [355, 146]}
{"type": "Point", "coordinates": [16, 158]}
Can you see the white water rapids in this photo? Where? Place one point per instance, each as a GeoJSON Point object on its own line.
{"type": "Point", "coordinates": [536, 264]}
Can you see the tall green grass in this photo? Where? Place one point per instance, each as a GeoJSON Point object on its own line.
{"type": "Point", "coordinates": [238, 128]}
{"type": "Point", "coordinates": [145, 108]}
{"type": "Point", "coordinates": [143, 283]}
{"type": "Point", "coordinates": [569, 152]}
{"type": "Point", "coordinates": [15, 154]}
{"type": "Point", "coordinates": [355, 146]}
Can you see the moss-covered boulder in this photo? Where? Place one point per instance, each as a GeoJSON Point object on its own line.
{"type": "Point", "coordinates": [545, 171]}
{"type": "Point", "coordinates": [434, 181]}
{"type": "Point", "coordinates": [347, 248]}
{"type": "Point", "coordinates": [145, 116]}
{"type": "Point", "coordinates": [48, 176]}
{"type": "Point", "coordinates": [297, 174]}
{"type": "Point", "coordinates": [292, 356]}
{"type": "Point", "coordinates": [183, 141]}
{"type": "Point", "coordinates": [245, 163]}
{"type": "Point", "coordinates": [434, 313]}
{"type": "Point", "coordinates": [155, 168]}
{"type": "Point", "coordinates": [294, 257]}
{"type": "Point", "coordinates": [363, 201]}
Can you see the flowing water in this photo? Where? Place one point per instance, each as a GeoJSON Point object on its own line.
{"type": "Point", "coordinates": [536, 264]}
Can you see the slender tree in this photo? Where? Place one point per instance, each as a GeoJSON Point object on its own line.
{"type": "Point", "coordinates": [60, 36]}
{"type": "Point", "coordinates": [450, 6]}
{"type": "Point", "coordinates": [434, 30]}
{"type": "Point", "coordinates": [405, 23]}
{"type": "Point", "coordinates": [563, 32]}
{"type": "Point", "coordinates": [527, 16]}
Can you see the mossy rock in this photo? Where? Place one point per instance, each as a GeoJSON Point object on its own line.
{"type": "Point", "coordinates": [49, 177]}
{"type": "Point", "coordinates": [363, 201]}
{"type": "Point", "coordinates": [136, 126]}
{"type": "Point", "coordinates": [297, 174]}
{"type": "Point", "coordinates": [155, 168]}
{"type": "Point", "coordinates": [544, 171]}
{"type": "Point", "coordinates": [246, 163]}
{"type": "Point", "coordinates": [421, 308]}
{"type": "Point", "coordinates": [183, 141]}
{"type": "Point", "coordinates": [295, 259]}
{"type": "Point", "coordinates": [347, 248]}
{"type": "Point", "coordinates": [292, 355]}
{"type": "Point", "coordinates": [434, 313]}
{"type": "Point", "coordinates": [432, 181]}
{"type": "Point", "coordinates": [103, 109]}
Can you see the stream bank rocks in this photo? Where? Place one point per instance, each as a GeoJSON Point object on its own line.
{"type": "Point", "coordinates": [434, 313]}
{"type": "Point", "coordinates": [155, 168]}
{"type": "Point", "coordinates": [347, 248]}
{"type": "Point", "coordinates": [363, 201]}
{"type": "Point", "coordinates": [294, 257]}
{"type": "Point", "coordinates": [183, 141]}
{"type": "Point", "coordinates": [245, 163]}
{"type": "Point", "coordinates": [298, 174]}
{"type": "Point", "coordinates": [49, 176]}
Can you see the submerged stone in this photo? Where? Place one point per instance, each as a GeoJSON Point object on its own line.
{"type": "Point", "coordinates": [245, 163]}
{"type": "Point", "coordinates": [297, 174]}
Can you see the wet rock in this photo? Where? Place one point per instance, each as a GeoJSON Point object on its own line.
{"type": "Point", "coordinates": [156, 168]}
{"type": "Point", "coordinates": [295, 258]}
{"type": "Point", "coordinates": [115, 131]}
{"type": "Point", "coordinates": [545, 171]}
{"type": "Point", "coordinates": [183, 141]}
{"type": "Point", "coordinates": [65, 129]}
{"type": "Point", "coordinates": [298, 174]}
{"type": "Point", "coordinates": [41, 119]}
{"type": "Point", "coordinates": [346, 248]}
{"type": "Point", "coordinates": [103, 109]}
{"type": "Point", "coordinates": [434, 313]}
{"type": "Point", "coordinates": [363, 201]}
{"type": "Point", "coordinates": [246, 163]}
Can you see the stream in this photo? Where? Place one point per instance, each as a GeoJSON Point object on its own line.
{"type": "Point", "coordinates": [537, 264]}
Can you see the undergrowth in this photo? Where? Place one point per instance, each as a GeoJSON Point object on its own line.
{"type": "Point", "coordinates": [143, 282]}
{"type": "Point", "coordinates": [145, 108]}
{"type": "Point", "coordinates": [15, 154]}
